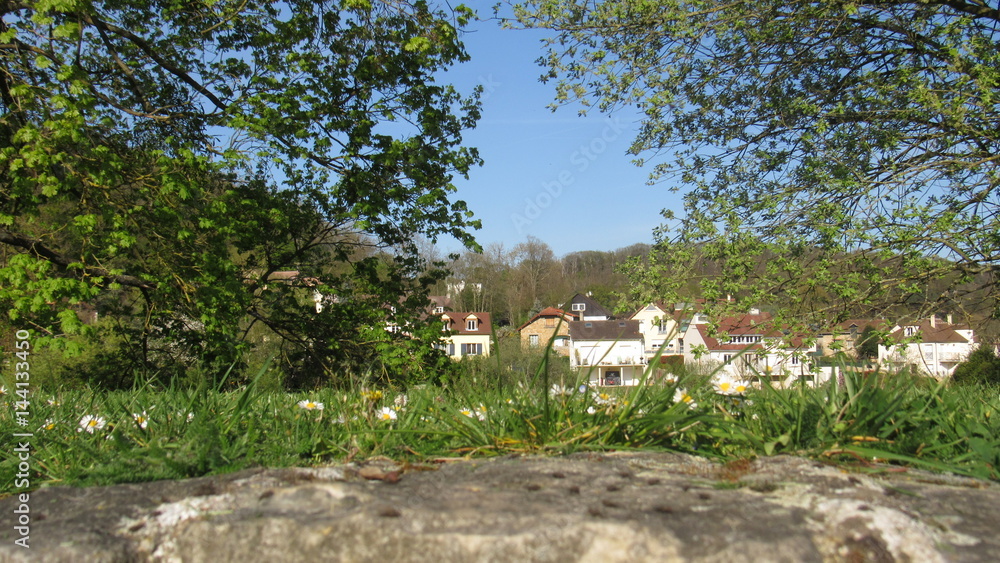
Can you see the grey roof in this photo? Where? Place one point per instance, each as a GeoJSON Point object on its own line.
{"type": "Point", "coordinates": [593, 308]}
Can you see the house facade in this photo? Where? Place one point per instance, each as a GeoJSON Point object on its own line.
{"type": "Point", "coordinates": [609, 352]}
{"type": "Point", "coordinates": [467, 334]}
{"type": "Point", "coordinates": [931, 346]}
{"type": "Point", "coordinates": [663, 326]}
{"type": "Point", "coordinates": [846, 337]}
{"type": "Point", "coordinates": [749, 348]}
{"type": "Point", "coordinates": [548, 325]}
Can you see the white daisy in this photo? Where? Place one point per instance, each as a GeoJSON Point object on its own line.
{"type": "Point", "coordinates": [604, 399]}
{"type": "Point", "coordinates": [473, 413]}
{"type": "Point", "coordinates": [91, 424]}
{"type": "Point", "coordinates": [386, 414]}
{"type": "Point", "coordinates": [141, 419]}
{"type": "Point", "coordinates": [560, 391]}
{"type": "Point", "coordinates": [682, 396]}
{"type": "Point", "coordinates": [310, 405]}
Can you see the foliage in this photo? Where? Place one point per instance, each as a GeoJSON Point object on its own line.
{"type": "Point", "coordinates": [867, 346]}
{"type": "Point", "coordinates": [160, 161]}
{"type": "Point", "coordinates": [982, 367]}
{"type": "Point", "coordinates": [834, 155]}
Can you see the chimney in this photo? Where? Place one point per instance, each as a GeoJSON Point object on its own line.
{"type": "Point", "coordinates": [933, 322]}
{"type": "Point", "coordinates": [949, 318]}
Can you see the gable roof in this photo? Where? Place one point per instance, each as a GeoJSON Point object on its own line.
{"type": "Point", "coordinates": [940, 333]}
{"type": "Point", "coordinates": [442, 301]}
{"type": "Point", "coordinates": [604, 330]}
{"type": "Point", "coordinates": [457, 322]}
{"type": "Point", "coordinates": [548, 312]}
{"type": "Point", "coordinates": [591, 307]}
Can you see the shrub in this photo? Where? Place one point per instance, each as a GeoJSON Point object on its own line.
{"type": "Point", "coordinates": [981, 368]}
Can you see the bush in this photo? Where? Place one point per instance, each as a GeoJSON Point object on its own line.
{"type": "Point", "coordinates": [981, 368]}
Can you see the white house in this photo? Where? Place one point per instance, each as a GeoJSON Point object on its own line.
{"type": "Point", "coordinates": [748, 347]}
{"type": "Point", "coordinates": [609, 352]}
{"type": "Point", "coordinates": [467, 334]}
{"type": "Point", "coordinates": [930, 346]}
{"type": "Point", "coordinates": [660, 325]}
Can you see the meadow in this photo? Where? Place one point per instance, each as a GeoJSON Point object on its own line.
{"type": "Point", "coordinates": [879, 422]}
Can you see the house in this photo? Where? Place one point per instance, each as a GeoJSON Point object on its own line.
{"type": "Point", "coordinates": [930, 346]}
{"type": "Point", "coordinates": [467, 334]}
{"type": "Point", "coordinates": [662, 326]}
{"type": "Point", "coordinates": [440, 304]}
{"type": "Point", "coordinates": [548, 325]}
{"type": "Point", "coordinates": [845, 337]}
{"type": "Point", "coordinates": [609, 351]}
{"type": "Point", "coordinates": [749, 347]}
{"type": "Point", "coordinates": [585, 308]}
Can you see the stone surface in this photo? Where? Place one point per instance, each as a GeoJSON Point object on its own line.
{"type": "Point", "coordinates": [586, 507]}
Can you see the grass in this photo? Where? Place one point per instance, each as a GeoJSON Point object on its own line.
{"type": "Point", "coordinates": [147, 434]}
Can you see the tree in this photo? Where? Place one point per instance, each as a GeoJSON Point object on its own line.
{"type": "Point", "coordinates": [165, 159]}
{"type": "Point", "coordinates": [834, 154]}
{"type": "Point", "coordinates": [982, 367]}
{"type": "Point", "coordinates": [867, 344]}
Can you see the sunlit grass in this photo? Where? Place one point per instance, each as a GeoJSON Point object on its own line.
{"type": "Point", "coordinates": [86, 438]}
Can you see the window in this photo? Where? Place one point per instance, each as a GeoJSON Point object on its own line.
{"type": "Point", "coordinates": [533, 339]}
{"type": "Point", "coordinates": [579, 307]}
{"type": "Point", "coordinates": [550, 322]}
{"type": "Point", "coordinates": [438, 310]}
{"type": "Point", "coordinates": [451, 348]}
{"type": "Point", "coordinates": [909, 331]}
{"type": "Point", "coordinates": [472, 349]}
{"type": "Point", "coordinates": [680, 345]}
{"type": "Point", "coordinates": [726, 358]}
{"type": "Point", "coordinates": [472, 324]}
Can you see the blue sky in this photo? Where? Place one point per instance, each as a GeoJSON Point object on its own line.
{"type": "Point", "coordinates": [564, 179]}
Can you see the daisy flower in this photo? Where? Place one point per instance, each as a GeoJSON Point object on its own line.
{"type": "Point", "coordinates": [729, 387]}
{"type": "Point", "coordinates": [723, 387]}
{"type": "Point", "coordinates": [473, 413]}
{"type": "Point", "coordinates": [603, 399]}
{"type": "Point", "coordinates": [310, 405]}
{"type": "Point", "coordinates": [91, 424]}
{"type": "Point", "coordinates": [3, 389]}
{"type": "Point", "coordinates": [400, 401]}
{"type": "Point", "coordinates": [682, 396]}
{"type": "Point", "coordinates": [386, 414]}
{"type": "Point", "coordinates": [560, 391]}
{"type": "Point", "coordinates": [141, 419]}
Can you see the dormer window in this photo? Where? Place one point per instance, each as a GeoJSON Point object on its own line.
{"type": "Point", "coordinates": [438, 310]}
{"type": "Point", "coordinates": [472, 324]}
{"type": "Point", "coordinates": [909, 331]}
{"type": "Point", "coordinates": [579, 307]}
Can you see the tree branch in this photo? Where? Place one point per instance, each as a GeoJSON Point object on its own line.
{"type": "Point", "coordinates": [39, 250]}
